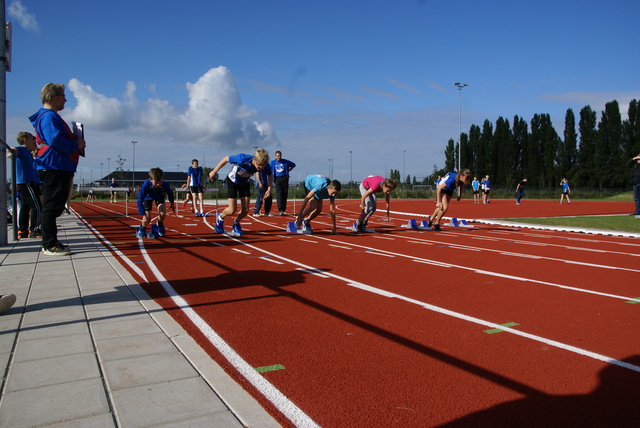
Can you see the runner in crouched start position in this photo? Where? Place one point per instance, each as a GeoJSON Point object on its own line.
{"type": "Point", "coordinates": [153, 190]}
{"type": "Point", "coordinates": [445, 190]}
{"type": "Point", "coordinates": [238, 185]}
{"type": "Point", "coordinates": [317, 188]}
{"type": "Point", "coordinates": [368, 203]}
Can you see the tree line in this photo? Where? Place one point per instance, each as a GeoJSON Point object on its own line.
{"type": "Point", "coordinates": [593, 154]}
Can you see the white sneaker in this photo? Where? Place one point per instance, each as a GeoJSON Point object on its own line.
{"type": "Point", "coordinates": [56, 251]}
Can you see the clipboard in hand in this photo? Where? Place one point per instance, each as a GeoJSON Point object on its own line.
{"type": "Point", "coordinates": [78, 131]}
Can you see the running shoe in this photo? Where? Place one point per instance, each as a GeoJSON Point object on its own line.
{"type": "Point", "coordinates": [56, 251]}
{"type": "Point", "coordinates": [22, 234]}
{"type": "Point", "coordinates": [306, 227]}
{"type": "Point", "coordinates": [236, 228]}
{"type": "Point", "coordinates": [436, 227]}
{"type": "Point", "coordinates": [219, 226]}
{"type": "Point", "coordinates": [161, 229]}
{"type": "Point", "coordinates": [142, 232]}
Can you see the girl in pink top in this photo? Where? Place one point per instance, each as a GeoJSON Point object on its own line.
{"type": "Point", "coordinates": [368, 203]}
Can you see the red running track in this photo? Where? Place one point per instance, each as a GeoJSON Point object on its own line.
{"type": "Point", "coordinates": [482, 326]}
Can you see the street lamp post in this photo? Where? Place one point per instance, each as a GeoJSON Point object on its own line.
{"type": "Point", "coordinates": [133, 175]}
{"type": "Point", "coordinates": [101, 171]}
{"type": "Point", "coordinates": [404, 167]}
{"type": "Point", "coordinates": [460, 86]}
{"type": "Point", "coordinates": [108, 168]}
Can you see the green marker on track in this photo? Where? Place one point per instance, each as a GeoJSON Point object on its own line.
{"type": "Point", "coordinates": [269, 368]}
{"type": "Point", "coordinates": [497, 330]}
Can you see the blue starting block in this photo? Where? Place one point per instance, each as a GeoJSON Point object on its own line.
{"type": "Point", "coordinates": [355, 229]}
{"type": "Point", "coordinates": [291, 228]}
{"type": "Point", "coordinates": [413, 224]}
{"type": "Point", "coordinates": [460, 223]}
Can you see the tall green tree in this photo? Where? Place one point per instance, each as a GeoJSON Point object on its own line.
{"type": "Point", "coordinates": [586, 171]}
{"type": "Point", "coordinates": [631, 128]}
{"type": "Point", "coordinates": [483, 151]}
{"type": "Point", "coordinates": [474, 141]}
{"type": "Point", "coordinates": [567, 154]}
{"type": "Point", "coordinates": [450, 156]}
{"type": "Point", "coordinates": [535, 152]}
{"type": "Point", "coordinates": [520, 137]}
{"type": "Point", "coordinates": [502, 153]}
{"type": "Point", "coordinates": [609, 152]}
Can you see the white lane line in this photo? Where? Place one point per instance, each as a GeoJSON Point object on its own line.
{"type": "Point", "coordinates": [497, 274]}
{"type": "Point", "coordinates": [493, 250]}
{"type": "Point", "coordinates": [270, 392]}
{"type": "Point", "coordinates": [340, 246]}
{"type": "Point", "coordinates": [459, 315]}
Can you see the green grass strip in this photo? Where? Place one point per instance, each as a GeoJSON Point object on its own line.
{"type": "Point", "coordinates": [497, 330]}
{"type": "Point", "coordinates": [269, 368]}
{"type": "Point", "coordinates": [634, 300]}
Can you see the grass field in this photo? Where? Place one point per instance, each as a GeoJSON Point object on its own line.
{"type": "Point", "coordinates": [627, 223]}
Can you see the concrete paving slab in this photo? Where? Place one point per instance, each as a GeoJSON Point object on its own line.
{"type": "Point", "coordinates": [85, 346]}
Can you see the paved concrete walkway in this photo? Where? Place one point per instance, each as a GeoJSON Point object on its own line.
{"type": "Point", "coordinates": [84, 346]}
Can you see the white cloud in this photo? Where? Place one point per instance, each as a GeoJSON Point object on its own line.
{"type": "Point", "coordinates": [406, 87]}
{"type": "Point", "coordinates": [215, 113]}
{"type": "Point", "coordinates": [18, 11]}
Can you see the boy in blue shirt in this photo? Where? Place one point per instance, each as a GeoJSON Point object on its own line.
{"type": "Point", "coordinates": [238, 185]}
{"type": "Point", "coordinates": [317, 188]}
{"type": "Point", "coordinates": [194, 185]}
{"type": "Point", "coordinates": [153, 190]}
{"type": "Point", "coordinates": [28, 185]}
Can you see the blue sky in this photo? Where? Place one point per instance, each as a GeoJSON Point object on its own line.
{"type": "Point", "coordinates": [316, 80]}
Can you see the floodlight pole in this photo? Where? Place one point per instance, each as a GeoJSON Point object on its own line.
{"type": "Point", "coordinates": [133, 176]}
{"type": "Point", "coordinates": [460, 86]}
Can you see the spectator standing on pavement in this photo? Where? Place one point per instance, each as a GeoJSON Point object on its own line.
{"type": "Point", "coordinates": [57, 161]}
{"type": "Point", "coordinates": [28, 185]}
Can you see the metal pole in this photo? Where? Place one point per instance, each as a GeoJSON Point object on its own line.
{"type": "Point", "coordinates": [5, 51]}
{"type": "Point", "coordinates": [404, 167]}
{"type": "Point", "coordinates": [133, 175]}
{"type": "Point", "coordinates": [460, 86]}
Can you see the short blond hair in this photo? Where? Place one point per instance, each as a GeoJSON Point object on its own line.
{"type": "Point", "coordinates": [261, 156]}
{"type": "Point", "coordinates": [49, 90]}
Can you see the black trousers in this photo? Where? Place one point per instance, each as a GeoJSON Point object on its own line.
{"type": "Point", "coordinates": [30, 207]}
{"type": "Point", "coordinates": [55, 191]}
{"type": "Point", "coordinates": [282, 192]}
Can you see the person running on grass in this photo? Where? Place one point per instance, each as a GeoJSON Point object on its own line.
{"type": "Point", "coordinates": [153, 190]}
{"type": "Point", "coordinates": [238, 185]}
{"type": "Point", "coordinates": [447, 186]}
{"type": "Point", "coordinates": [368, 202]}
